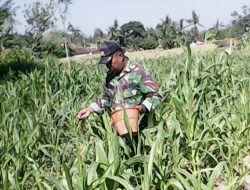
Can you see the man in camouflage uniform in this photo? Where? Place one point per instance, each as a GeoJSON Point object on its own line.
{"type": "Point", "coordinates": [128, 85]}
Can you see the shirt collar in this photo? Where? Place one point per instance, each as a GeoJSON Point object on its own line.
{"type": "Point", "coordinates": [128, 68]}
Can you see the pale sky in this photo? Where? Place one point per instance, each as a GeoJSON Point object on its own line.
{"type": "Point", "coordinates": [88, 15]}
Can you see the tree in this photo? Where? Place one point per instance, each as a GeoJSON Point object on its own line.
{"type": "Point", "coordinates": [7, 20]}
{"type": "Point", "coordinates": [194, 22]}
{"type": "Point", "coordinates": [63, 10]}
{"type": "Point", "coordinates": [133, 32]}
{"type": "Point", "coordinates": [240, 21]}
{"type": "Point", "coordinates": [39, 18]}
{"type": "Point", "coordinates": [182, 34]}
{"type": "Point", "coordinates": [76, 36]}
{"type": "Point", "coordinates": [98, 36]}
{"type": "Point", "coordinates": [114, 33]}
{"type": "Point", "coordinates": [151, 32]}
{"type": "Point", "coordinates": [167, 33]}
{"type": "Point", "coordinates": [216, 32]}
{"type": "Point", "coordinates": [150, 40]}
{"type": "Point", "coordinates": [239, 24]}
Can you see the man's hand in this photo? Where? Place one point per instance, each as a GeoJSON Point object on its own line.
{"type": "Point", "coordinates": [142, 109]}
{"type": "Point", "coordinates": [85, 113]}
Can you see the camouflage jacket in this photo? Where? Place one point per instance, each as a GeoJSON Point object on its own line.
{"type": "Point", "coordinates": [133, 86]}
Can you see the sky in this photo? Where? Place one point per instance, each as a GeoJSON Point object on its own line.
{"type": "Point", "coordinates": [90, 14]}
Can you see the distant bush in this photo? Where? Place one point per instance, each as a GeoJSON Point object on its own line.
{"type": "Point", "coordinates": [148, 43]}
{"type": "Point", "coordinates": [17, 60]}
{"type": "Point", "coordinates": [45, 48]}
{"type": "Point", "coordinates": [209, 37]}
{"type": "Point", "coordinates": [51, 48]}
{"type": "Point", "coordinates": [168, 43]}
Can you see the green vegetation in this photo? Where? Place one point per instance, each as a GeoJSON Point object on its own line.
{"type": "Point", "coordinates": [199, 136]}
{"type": "Point", "coordinates": [18, 60]}
{"type": "Point", "coordinates": [42, 36]}
{"type": "Point", "coordinates": [197, 139]}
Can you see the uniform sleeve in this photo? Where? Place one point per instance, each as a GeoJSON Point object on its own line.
{"type": "Point", "coordinates": [102, 103]}
{"type": "Point", "coordinates": [150, 91]}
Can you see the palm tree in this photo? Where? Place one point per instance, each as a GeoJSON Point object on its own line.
{"type": "Point", "coordinates": [181, 37]}
{"type": "Point", "coordinates": [218, 25]}
{"type": "Point", "coordinates": [76, 37]}
{"type": "Point", "coordinates": [165, 25]}
{"type": "Point", "coordinates": [167, 32]}
{"type": "Point", "coordinates": [194, 22]}
{"type": "Point", "coordinates": [114, 33]}
{"type": "Point", "coordinates": [113, 30]}
{"type": "Point", "coordinates": [162, 29]}
{"type": "Point", "coordinates": [98, 36]}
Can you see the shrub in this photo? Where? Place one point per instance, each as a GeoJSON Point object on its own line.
{"type": "Point", "coordinates": [54, 49]}
{"type": "Point", "coordinates": [210, 36]}
{"type": "Point", "coordinates": [17, 60]}
{"type": "Point", "coordinates": [168, 43]}
{"type": "Point", "coordinates": [148, 43]}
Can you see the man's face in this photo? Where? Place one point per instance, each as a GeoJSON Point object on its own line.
{"type": "Point", "coordinates": [116, 64]}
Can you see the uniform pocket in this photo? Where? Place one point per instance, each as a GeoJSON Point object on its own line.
{"type": "Point", "coordinates": [130, 93]}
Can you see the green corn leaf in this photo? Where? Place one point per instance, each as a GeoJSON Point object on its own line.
{"type": "Point", "coordinates": [68, 177]}
{"type": "Point", "coordinates": [214, 175]}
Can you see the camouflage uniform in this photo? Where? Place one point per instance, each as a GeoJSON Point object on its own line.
{"type": "Point", "coordinates": [133, 86]}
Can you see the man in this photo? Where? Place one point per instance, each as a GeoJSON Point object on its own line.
{"type": "Point", "coordinates": [127, 85]}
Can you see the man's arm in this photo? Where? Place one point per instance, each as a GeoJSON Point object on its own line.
{"type": "Point", "coordinates": [95, 107]}
{"type": "Point", "coordinates": [102, 103]}
{"type": "Point", "coordinates": [150, 91]}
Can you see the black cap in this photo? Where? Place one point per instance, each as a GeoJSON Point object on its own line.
{"type": "Point", "coordinates": [107, 49]}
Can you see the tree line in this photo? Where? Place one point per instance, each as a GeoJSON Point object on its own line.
{"type": "Point", "coordinates": [42, 38]}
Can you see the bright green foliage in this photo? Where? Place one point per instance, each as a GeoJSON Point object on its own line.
{"type": "Point", "coordinates": [199, 135]}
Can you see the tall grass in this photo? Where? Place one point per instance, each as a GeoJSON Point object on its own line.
{"type": "Point", "coordinates": [199, 135]}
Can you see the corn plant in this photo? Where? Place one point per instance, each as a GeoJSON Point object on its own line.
{"type": "Point", "coordinates": [196, 139]}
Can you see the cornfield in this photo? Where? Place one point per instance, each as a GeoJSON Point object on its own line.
{"type": "Point", "coordinates": [198, 138]}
